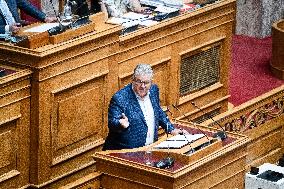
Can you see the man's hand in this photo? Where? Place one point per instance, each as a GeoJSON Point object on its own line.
{"type": "Point", "coordinates": [179, 132]}
{"type": "Point", "coordinates": [50, 19]}
{"type": "Point", "coordinates": [124, 121]}
{"type": "Point", "coordinates": [15, 28]}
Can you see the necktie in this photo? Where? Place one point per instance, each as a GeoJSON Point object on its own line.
{"type": "Point", "coordinates": [5, 11]}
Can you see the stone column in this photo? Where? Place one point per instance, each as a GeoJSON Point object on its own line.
{"type": "Point", "coordinates": [255, 17]}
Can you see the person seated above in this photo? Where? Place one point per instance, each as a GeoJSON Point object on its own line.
{"type": "Point", "coordinates": [10, 21]}
{"type": "Point", "coordinates": [116, 8]}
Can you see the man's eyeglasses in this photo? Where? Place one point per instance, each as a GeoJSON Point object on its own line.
{"type": "Point", "coordinates": [139, 82]}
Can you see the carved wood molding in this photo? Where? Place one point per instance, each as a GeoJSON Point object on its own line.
{"type": "Point", "coordinates": [254, 113]}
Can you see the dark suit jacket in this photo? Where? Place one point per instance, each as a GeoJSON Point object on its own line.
{"type": "Point", "coordinates": [125, 101]}
{"type": "Point", "coordinates": [23, 5]}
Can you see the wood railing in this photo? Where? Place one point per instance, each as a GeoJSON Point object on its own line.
{"type": "Point", "coordinates": [262, 120]}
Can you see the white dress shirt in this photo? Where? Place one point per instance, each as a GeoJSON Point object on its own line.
{"type": "Point", "coordinates": [149, 116]}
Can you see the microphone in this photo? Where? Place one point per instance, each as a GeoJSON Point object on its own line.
{"type": "Point", "coordinates": [165, 163]}
{"type": "Point", "coordinates": [221, 134]}
{"type": "Point", "coordinates": [57, 29]}
{"type": "Point", "coordinates": [55, 13]}
{"type": "Point", "coordinates": [191, 122]}
{"type": "Point", "coordinates": [168, 161]}
{"type": "Point", "coordinates": [168, 109]}
{"type": "Point", "coordinates": [189, 143]}
{"type": "Point", "coordinates": [67, 10]}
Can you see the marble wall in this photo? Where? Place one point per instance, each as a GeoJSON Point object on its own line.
{"type": "Point", "coordinates": [255, 17]}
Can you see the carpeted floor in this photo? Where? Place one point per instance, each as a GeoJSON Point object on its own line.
{"type": "Point", "coordinates": [250, 75]}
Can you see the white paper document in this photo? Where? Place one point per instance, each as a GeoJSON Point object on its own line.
{"type": "Point", "coordinates": [166, 9]}
{"type": "Point", "coordinates": [44, 27]}
{"type": "Point", "coordinates": [179, 141]}
{"type": "Point", "coordinates": [134, 16]}
{"type": "Point", "coordinates": [148, 23]}
{"type": "Point", "coordinates": [117, 20]}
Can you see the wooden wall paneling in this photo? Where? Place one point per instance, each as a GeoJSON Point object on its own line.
{"type": "Point", "coordinates": [70, 93]}
{"type": "Point", "coordinates": [187, 32]}
{"type": "Point", "coordinates": [208, 174]}
{"type": "Point", "coordinates": [236, 181]}
{"type": "Point", "coordinates": [159, 60]}
{"type": "Point", "coordinates": [71, 118]}
{"type": "Point", "coordinates": [14, 128]}
{"type": "Point", "coordinates": [216, 91]}
{"type": "Point", "coordinates": [264, 145]}
{"type": "Point", "coordinates": [267, 140]}
{"type": "Point", "coordinates": [160, 78]}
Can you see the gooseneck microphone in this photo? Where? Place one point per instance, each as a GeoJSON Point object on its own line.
{"type": "Point", "coordinates": [221, 134]}
{"type": "Point", "coordinates": [57, 29]}
{"type": "Point", "coordinates": [191, 122]}
{"type": "Point", "coordinates": [168, 161]}
{"type": "Point", "coordinates": [189, 142]}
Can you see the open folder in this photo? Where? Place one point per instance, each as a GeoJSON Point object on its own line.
{"type": "Point", "coordinates": [178, 141]}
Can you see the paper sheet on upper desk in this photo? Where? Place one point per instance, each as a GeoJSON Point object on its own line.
{"type": "Point", "coordinates": [135, 16]}
{"type": "Point", "coordinates": [43, 27]}
{"type": "Point", "coordinates": [179, 141]}
{"type": "Point", "coordinates": [148, 23]}
{"type": "Point", "coordinates": [165, 9]}
{"type": "Point", "coordinates": [117, 20]}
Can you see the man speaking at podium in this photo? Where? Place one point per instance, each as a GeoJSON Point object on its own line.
{"type": "Point", "coordinates": [135, 114]}
{"type": "Point", "coordinates": [10, 21]}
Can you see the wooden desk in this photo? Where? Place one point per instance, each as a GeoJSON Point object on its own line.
{"type": "Point", "coordinates": [14, 126]}
{"type": "Point", "coordinates": [72, 83]}
{"type": "Point", "coordinates": [222, 167]}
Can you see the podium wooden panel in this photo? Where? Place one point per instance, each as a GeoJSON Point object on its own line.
{"type": "Point", "coordinates": [70, 90]}
{"type": "Point", "coordinates": [14, 126]}
{"type": "Point", "coordinates": [224, 167]}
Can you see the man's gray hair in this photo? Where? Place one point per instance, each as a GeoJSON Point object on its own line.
{"type": "Point", "coordinates": [143, 69]}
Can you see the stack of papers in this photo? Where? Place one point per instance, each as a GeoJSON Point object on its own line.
{"type": "Point", "coordinates": [165, 9]}
{"type": "Point", "coordinates": [178, 141]}
{"type": "Point", "coordinates": [131, 19]}
{"type": "Point", "coordinates": [134, 16]}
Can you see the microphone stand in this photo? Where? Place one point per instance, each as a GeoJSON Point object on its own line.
{"type": "Point", "coordinates": [168, 161]}
{"type": "Point", "coordinates": [189, 142]}
{"type": "Point", "coordinates": [191, 122]}
{"type": "Point", "coordinates": [57, 29]}
{"type": "Point", "coordinates": [221, 134]}
{"type": "Point", "coordinates": [192, 150]}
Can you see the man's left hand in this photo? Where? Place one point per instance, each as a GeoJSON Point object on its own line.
{"type": "Point", "coordinates": [50, 19]}
{"type": "Point", "coordinates": [179, 132]}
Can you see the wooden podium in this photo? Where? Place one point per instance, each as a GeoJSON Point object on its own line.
{"type": "Point", "coordinates": [218, 165]}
